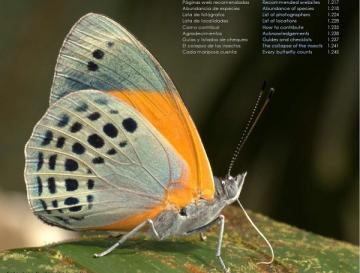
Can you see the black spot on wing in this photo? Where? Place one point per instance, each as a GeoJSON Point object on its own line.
{"type": "Point", "coordinates": [71, 165]}
{"type": "Point", "coordinates": [95, 141]}
{"type": "Point", "coordinates": [129, 125]}
{"type": "Point", "coordinates": [54, 203]}
{"type": "Point", "coordinates": [76, 127]}
{"type": "Point", "coordinates": [98, 54]}
{"type": "Point", "coordinates": [60, 142]}
{"type": "Point", "coordinates": [123, 143]}
{"type": "Point", "coordinates": [44, 205]}
{"type": "Point", "coordinates": [71, 201]}
{"type": "Point", "coordinates": [90, 184]}
{"type": "Point", "coordinates": [51, 185]}
{"type": "Point", "coordinates": [63, 121]}
{"type": "Point", "coordinates": [71, 184]}
{"type": "Point", "coordinates": [110, 130]}
{"type": "Point", "coordinates": [112, 151]}
{"type": "Point", "coordinates": [94, 116]}
{"type": "Point", "coordinates": [112, 111]}
{"type": "Point", "coordinates": [90, 199]}
{"type": "Point", "coordinates": [40, 160]}
{"type": "Point", "coordinates": [77, 148]}
{"type": "Point", "coordinates": [110, 44]}
{"type": "Point", "coordinates": [48, 138]}
{"type": "Point", "coordinates": [39, 184]}
{"type": "Point", "coordinates": [75, 208]}
{"type": "Point", "coordinates": [98, 160]}
{"type": "Point", "coordinates": [52, 162]}
{"type": "Point", "coordinates": [82, 107]}
{"type": "Point", "coordinates": [92, 66]}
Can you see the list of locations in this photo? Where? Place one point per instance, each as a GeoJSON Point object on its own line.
{"type": "Point", "coordinates": [203, 27]}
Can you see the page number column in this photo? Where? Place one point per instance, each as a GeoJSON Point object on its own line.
{"type": "Point", "coordinates": [333, 27]}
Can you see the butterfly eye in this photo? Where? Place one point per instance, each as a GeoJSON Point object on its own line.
{"type": "Point", "coordinates": [183, 212]}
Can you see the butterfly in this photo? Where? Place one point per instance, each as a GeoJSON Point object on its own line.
{"type": "Point", "coordinates": [117, 149]}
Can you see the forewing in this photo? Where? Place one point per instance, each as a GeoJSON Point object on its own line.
{"type": "Point", "coordinates": [93, 160]}
{"type": "Point", "coordinates": [100, 54]}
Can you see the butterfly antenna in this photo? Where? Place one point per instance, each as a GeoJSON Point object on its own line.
{"type": "Point", "coordinates": [261, 234]}
{"type": "Point", "coordinates": [251, 124]}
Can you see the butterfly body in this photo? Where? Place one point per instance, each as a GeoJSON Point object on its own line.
{"type": "Point", "coordinates": [196, 216]}
{"type": "Point", "coordinates": [117, 148]}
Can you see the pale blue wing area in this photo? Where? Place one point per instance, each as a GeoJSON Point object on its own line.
{"type": "Point", "coordinates": [100, 54]}
{"type": "Point", "coordinates": [92, 160]}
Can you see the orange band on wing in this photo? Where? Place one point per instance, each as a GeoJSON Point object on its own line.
{"type": "Point", "coordinates": [168, 114]}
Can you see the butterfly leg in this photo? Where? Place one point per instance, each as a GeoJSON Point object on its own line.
{"type": "Point", "coordinates": [221, 222]}
{"type": "Point", "coordinates": [203, 237]}
{"type": "Point", "coordinates": [156, 234]}
{"type": "Point", "coordinates": [127, 236]}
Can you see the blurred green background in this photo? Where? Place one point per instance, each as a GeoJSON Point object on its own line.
{"type": "Point", "coordinates": [302, 159]}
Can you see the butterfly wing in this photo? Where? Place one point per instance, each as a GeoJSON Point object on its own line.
{"type": "Point", "coordinates": [93, 161]}
{"type": "Point", "coordinates": [100, 54]}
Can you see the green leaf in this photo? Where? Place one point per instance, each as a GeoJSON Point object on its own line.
{"type": "Point", "coordinates": [295, 251]}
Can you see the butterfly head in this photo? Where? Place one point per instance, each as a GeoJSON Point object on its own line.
{"type": "Point", "coordinates": [229, 188]}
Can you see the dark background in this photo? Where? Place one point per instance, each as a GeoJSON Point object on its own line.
{"type": "Point", "coordinates": [302, 159]}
